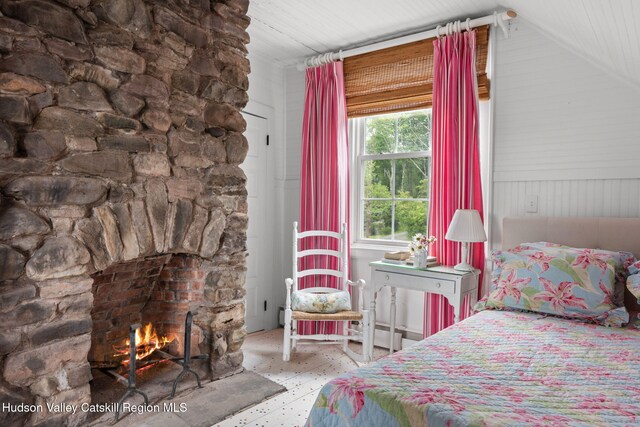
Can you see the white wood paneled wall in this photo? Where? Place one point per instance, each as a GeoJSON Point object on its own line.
{"type": "Point", "coordinates": [559, 117]}
{"type": "Point", "coordinates": [565, 130]}
{"type": "Point", "coordinates": [601, 197]}
{"type": "Point", "coordinates": [294, 109]}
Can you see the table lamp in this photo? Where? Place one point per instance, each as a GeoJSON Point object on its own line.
{"type": "Point", "coordinates": [465, 227]}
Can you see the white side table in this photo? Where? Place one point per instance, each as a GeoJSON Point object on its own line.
{"type": "Point", "coordinates": [452, 284]}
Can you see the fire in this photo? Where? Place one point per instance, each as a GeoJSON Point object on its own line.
{"type": "Point", "coordinates": [147, 341]}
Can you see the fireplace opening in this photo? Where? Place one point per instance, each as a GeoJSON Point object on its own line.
{"type": "Point", "coordinates": [158, 302]}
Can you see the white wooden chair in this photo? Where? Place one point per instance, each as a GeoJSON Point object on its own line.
{"type": "Point", "coordinates": [291, 318]}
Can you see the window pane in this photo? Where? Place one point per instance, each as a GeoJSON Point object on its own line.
{"type": "Point", "coordinates": [411, 218]}
{"type": "Point", "coordinates": [381, 135]}
{"type": "Point", "coordinates": [412, 178]}
{"type": "Point", "coordinates": [377, 219]}
{"type": "Point", "coordinates": [377, 179]}
{"type": "Point", "coordinates": [414, 131]}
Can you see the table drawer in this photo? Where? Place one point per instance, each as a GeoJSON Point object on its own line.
{"type": "Point", "coordinates": [406, 281]}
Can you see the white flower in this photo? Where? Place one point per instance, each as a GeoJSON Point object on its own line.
{"type": "Point", "coordinates": [420, 241]}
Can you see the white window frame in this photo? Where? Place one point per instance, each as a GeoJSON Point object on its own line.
{"type": "Point", "coordinates": [357, 136]}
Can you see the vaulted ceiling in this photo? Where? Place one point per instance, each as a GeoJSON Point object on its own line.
{"type": "Point", "coordinates": [606, 32]}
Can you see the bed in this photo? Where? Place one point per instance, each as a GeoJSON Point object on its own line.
{"type": "Point", "coordinates": [506, 367]}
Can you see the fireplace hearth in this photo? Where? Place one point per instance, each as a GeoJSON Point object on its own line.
{"type": "Point", "coordinates": [122, 200]}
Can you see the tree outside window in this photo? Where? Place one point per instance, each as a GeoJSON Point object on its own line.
{"type": "Point", "coordinates": [394, 174]}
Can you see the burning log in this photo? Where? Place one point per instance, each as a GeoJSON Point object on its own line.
{"type": "Point", "coordinates": [146, 342]}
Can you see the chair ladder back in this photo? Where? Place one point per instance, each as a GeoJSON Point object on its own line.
{"type": "Point", "coordinates": [329, 252]}
{"type": "Point", "coordinates": [344, 241]}
{"type": "Point", "coordinates": [341, 255]}
{"type": "Point", "coordinates": [295, 256]}
{"type": "Point", "coordinates": [320, 272]}
{"type": "Point", "coordinates": [319, 233]}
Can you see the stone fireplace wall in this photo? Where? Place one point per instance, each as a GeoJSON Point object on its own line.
{"type": "Point", "coordinates": [120, 142]}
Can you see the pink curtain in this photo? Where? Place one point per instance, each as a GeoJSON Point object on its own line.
{"type": "Point", "coordinates": [455, 174]}
{"type": "Point", "coordinates": [324, 187]}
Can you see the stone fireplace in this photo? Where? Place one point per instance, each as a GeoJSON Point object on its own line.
{"type": "Point", "coordinates": [122, 198]}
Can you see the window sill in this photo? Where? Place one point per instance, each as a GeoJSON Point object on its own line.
{"type": "Point", "coordinates": [361, 249]}
{"type": "Point", "coordinates": [380, 246]}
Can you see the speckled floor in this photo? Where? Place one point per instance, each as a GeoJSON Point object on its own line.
{"type": "Point", "coordinates": [309, 369]}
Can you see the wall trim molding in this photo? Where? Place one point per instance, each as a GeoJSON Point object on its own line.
{"type": "Point", "coordinates": [567, 174]}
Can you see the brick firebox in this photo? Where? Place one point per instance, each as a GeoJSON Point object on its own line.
{"type": "Point", "coordinates": [160, 290]}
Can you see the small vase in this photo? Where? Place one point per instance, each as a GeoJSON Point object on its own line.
{"type": "Point", "coordinates": [421, 258]}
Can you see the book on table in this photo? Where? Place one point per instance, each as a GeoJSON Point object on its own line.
{"type": "Point", "coordinates": [397, 256]}
{"type": "Point", "coordinates": [410, 262]}
{"type": "Point", "coordinates": [431, 261]}
{"type": "Point", "coordinates": [405, 258]}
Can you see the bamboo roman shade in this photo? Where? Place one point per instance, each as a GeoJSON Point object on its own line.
{"type": "Point", "coordinates": [401, 78]}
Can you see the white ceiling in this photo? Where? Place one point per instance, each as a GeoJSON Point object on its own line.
{"type": "Point", "coordinates": [606, 32]}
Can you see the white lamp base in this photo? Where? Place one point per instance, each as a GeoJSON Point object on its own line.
{"type": "Point", "coordinates": [464, 259]}
{"type": "Point", "coordinates": [463, 266]}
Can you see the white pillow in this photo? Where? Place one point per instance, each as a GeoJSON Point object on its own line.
{"type": "Point", "coordinates": [320, 303]}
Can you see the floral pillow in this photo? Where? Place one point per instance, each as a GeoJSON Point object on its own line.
{"type": "Point", "coordinates": [558, 280]}
{"type": "Point", "coordinates": [320, 303]}
{"type": "Point", "coordinates": [633, 281]}
{"type": "Point", "coordinates": [620, 260]}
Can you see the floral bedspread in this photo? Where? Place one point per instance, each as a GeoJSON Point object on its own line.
{"type": "Point", "coordinates": [495, 368]}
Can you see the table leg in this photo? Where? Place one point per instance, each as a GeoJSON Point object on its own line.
{"type": "Point", "coordinates": [473, 298]}
{"type": "Point", "coordinates": [392, 319]}
{"type": "Point", "coordinates": [473, 294]}
{"type": "Point", "coordinates": [372, 321]}
{"type": "Point", "coordinates": [457, 308]}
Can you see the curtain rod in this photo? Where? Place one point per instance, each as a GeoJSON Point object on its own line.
{"type": "Point", "coordinates": [497, 19]}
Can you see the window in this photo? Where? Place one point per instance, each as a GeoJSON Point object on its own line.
{"type": "Point", "coordinates": [392, 156]}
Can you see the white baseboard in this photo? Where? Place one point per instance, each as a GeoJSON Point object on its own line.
{"type": "Point", "coordinates": [382, 339]}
